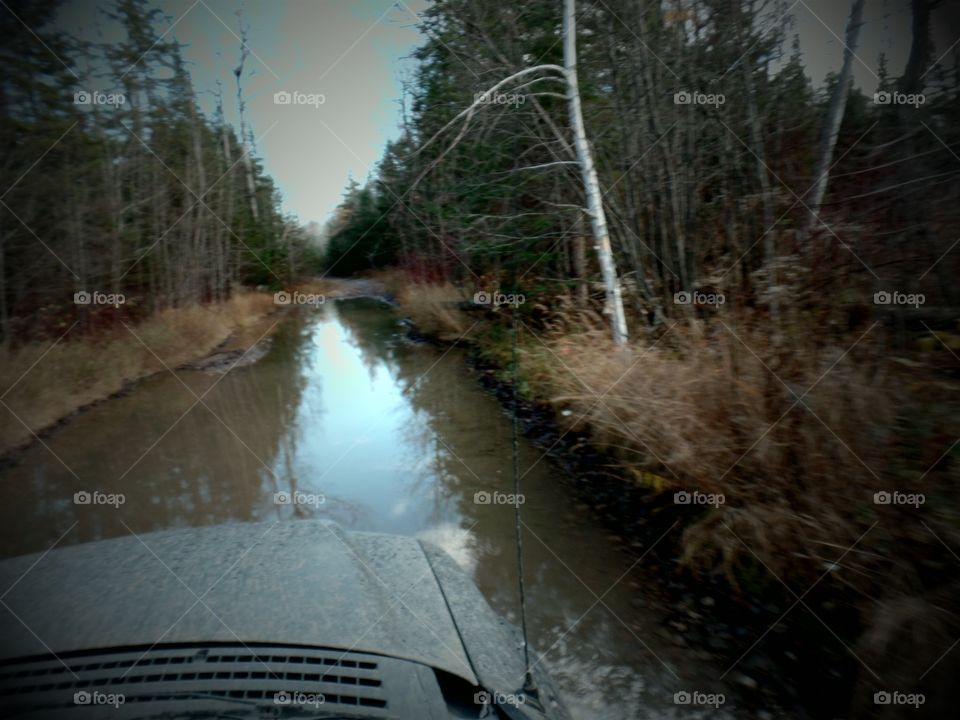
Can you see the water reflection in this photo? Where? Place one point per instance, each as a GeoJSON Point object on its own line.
{"type": "Point", "coordinates": [392, 437]}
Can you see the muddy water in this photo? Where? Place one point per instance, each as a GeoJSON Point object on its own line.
{"type": "Point", "coordinates": [364, 428]}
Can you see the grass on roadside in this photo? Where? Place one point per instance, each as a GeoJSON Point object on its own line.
{"type": "Point", "coordinates": [796, 435]}
{"type": "Point", "coordinates": [44, 381]}
{"type": "Point", "coordinates": [434, 309]}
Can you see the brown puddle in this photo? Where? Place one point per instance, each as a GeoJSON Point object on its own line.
{"type": "Point", "coordinates": [380, 436]}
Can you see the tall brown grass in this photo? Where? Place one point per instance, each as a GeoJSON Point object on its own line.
{"type": "Point", "coordinates": [797, 428]}
{"type": "Point", "coordinates": [796, 435]}
{"type": "Point", "coordinates": [434, 308]}
{"type": "Point", "coordinates": [42, 382]}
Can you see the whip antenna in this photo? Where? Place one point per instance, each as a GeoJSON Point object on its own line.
{"type": "Point", "coordinates": [528, 685]}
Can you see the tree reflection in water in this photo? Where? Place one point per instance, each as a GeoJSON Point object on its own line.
{"type": "Point", "coordinates": [395, 437]}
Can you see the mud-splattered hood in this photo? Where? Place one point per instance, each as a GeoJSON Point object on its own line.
{"type": "Point", "coordinates": [306, 583]}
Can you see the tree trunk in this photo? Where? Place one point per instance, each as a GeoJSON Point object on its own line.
{"type": "Point", "coordinates": [242, 106]}
{"type": "Point", "coordinates": [580, 263]}
{"type": "Point", "coordinates": [4, 313]}
{"type": "Point", "coordinates": [598, 219]}
{"type": "Point", "coordinates": [769, 236]}
{"type": "Point", "coordinates": [831, 126]}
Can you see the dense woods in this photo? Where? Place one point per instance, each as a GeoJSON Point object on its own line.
{"type": "Point", "coordinates": [786, 250]}
{"type": "Point", "coordinates": [706, 131]}
{"type": "Point", "coordinates": [115, 182]}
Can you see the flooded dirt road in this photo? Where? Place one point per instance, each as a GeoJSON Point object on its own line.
{"type": "Point", "coordinates": [344, 419]}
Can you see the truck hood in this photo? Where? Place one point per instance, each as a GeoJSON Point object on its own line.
{"type": "Point", "coordinates": [301, 583]}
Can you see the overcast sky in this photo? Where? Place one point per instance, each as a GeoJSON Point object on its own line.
{"type": "Point", "coordinates": [347, 51]}
{"type": "Point", "coordinates": [351, 51]}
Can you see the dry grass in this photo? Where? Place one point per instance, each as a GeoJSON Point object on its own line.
{"type": "Point", "coordinates": [797, 434]}
{"type": "Point", "coordinates": [46, 381]}
{"type": "Point", "coordinates": [434, 309]}
{"type": "Point", "coordinates": [797, 437]}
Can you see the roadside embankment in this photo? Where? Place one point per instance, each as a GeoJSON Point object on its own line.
{"type": "Point", "coordinates": [99, 352]}
{"type": "Point", "coordinates": [45, 381]}
{"type": "Point", "coordinates": [817, 462]}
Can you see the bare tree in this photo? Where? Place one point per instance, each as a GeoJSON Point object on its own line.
{"type": "Point", "coordinates": [598, 219]}
{"type": "Point", "coordinates": [831, 125]}
{"type": "Point", "coordinates": [242, 105]}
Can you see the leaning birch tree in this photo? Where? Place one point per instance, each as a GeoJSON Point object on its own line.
{"type": "Point", "coordinates": [598, 219]}
{"type": "Point", "coordinates": [584, 155]}
{"type": "Point", "coordinates": [831, 125]}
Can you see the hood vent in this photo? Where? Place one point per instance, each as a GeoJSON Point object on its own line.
{"type": "Point", "coordinates": [202, 677]}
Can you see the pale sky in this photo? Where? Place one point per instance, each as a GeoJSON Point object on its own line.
{"type": "Point", "coordinates": [348, 51]}
{"type": "Point", "coordinates": [886, 29]}
{"type": "Point", "coordinates": [351, 52]}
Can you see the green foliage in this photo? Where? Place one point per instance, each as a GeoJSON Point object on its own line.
{"type": "Point", "coordinates": [363, 241]}
{"type": "Point", "coordinates": [146, 196]}
{"type": "Point", "coordinates": [692, 193]}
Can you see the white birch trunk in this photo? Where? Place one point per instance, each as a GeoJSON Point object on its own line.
{"type": "Point", "coordinates": [598, 220]}
{"type": "Point", "coordinates": [831, 126]}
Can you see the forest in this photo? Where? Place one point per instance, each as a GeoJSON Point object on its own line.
{"type": "Point", "coordinates": [785, 258]}
{"type": "Point", "coordinates": [138, 194]}
{"type": "Point", "coordinates": [647, 221]}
